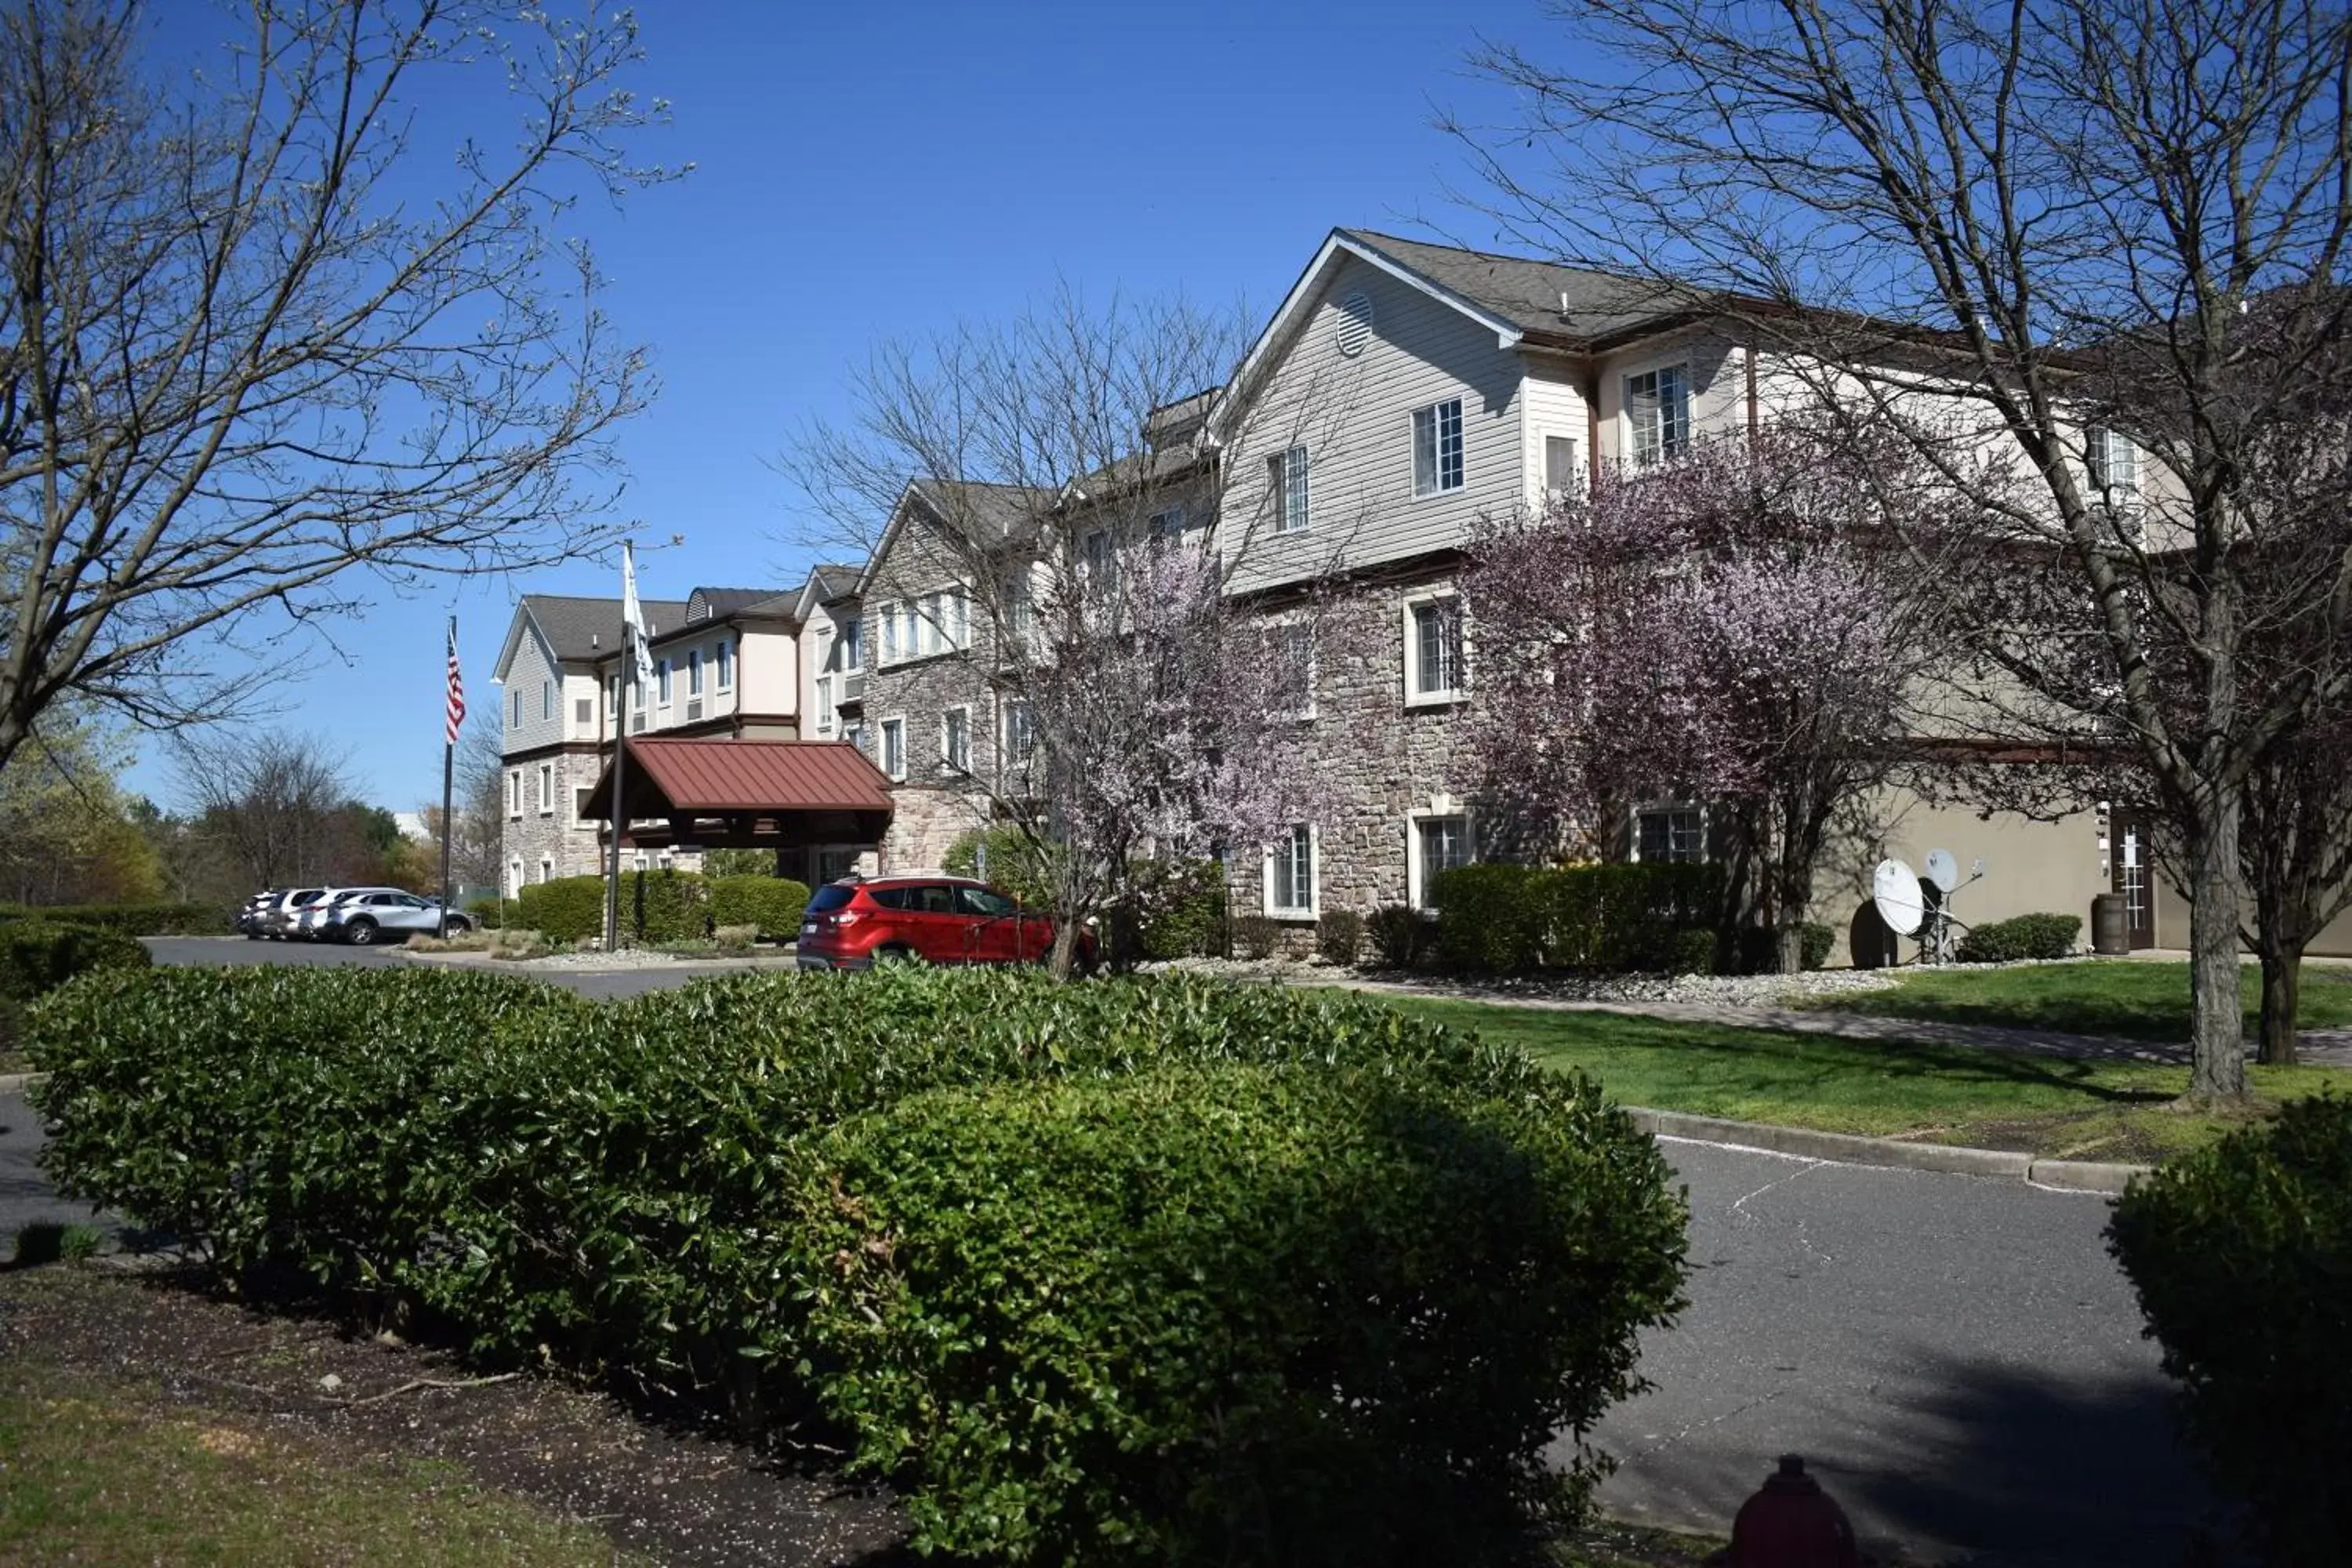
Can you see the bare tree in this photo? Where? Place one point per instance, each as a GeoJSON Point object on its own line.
{"type": "Point", "coordinates": [1058, 469]}
{"type": "Point", "coordinates": [253, 337]}
{"type": "Point", "coordinates": [481, 803]}
{"type": "Point", "coordinates": [1991, 220]}
{"type": "Point", "coordinates": [279, 807]}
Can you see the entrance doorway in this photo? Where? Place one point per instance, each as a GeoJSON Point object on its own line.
{"type": "Point", "coordinates": [2131, 878]}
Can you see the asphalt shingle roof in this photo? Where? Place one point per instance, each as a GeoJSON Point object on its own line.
{"type": "Point", "coordinates": [585, 629]}
{"type": "Point", "coordinates": [1528, 294]}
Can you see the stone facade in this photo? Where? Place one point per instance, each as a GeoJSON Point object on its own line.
{"type": "Point", "coordinates": [933, 803]}
{"type": "Point", "coordinates": [540, 845]}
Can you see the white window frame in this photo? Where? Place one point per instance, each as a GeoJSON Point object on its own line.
{"type": "Point", "coordinates": [546, 702]}
{"type": "Point", "coordinates": [514, 797]}
{"type": "Point", "coordinates": [661, 680]}
{"type": "Point", "coordinates": [583, 713]}
{"type": "Point", "coordinates": [1290, 483]}
{"type": "Point", "coordinates": [1434, 418]}
{"type": "Point", "coordinates": [1313, 909]}
{"type": "Point", "coordinates": [514, 876]}
{"type": "Point", "coordinates": [694, 672]}
{"type": "Point", "coordinates": [1098, 561]}
{"type": "Point", "coordinates": [1166, 526]}
{"type": "Point", "coordinates": [893, 736]}
{"type": "Point", "coordinates": [1011, 753]}
{"type": "Point", "coordinates": [1669, 808]}
{"type": "Point", "coordinates": [1415, 695]}
{"type": "Point", "coordinates": [1283, 631]}
{"type": "Point", "coordinates": [888, 617]}
{"type": "Point", "coordinates": [825, 704]}
{"type": "Point", "coordinates": [2111, 461]}
{"type": "Point", "coordinates": [546, 871]}
{"type": "Point", "coordinates": [853, 644]}
{"type": "Point", "coordinates": [725, 679]}
{"type": "Point", "coordinates": [514, 709]}
{"type": "Point", "coordinates": [1016, 609]}
{"type": "Point", "coordinates": [1441, 809]}
{"type": "Point", "coordinates": [580, 817]}
{"type": "Point", "coordinates": [1579, 473]}
{"type": "Point", "coordinates": [547, 789]}
{"type": "Point", "coordinates": [1673, 438]}
{"type": "Point", "coordinates": [948, 761]}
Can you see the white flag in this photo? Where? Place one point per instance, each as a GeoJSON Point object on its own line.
{"type": "Point", "coordinates": [632, 623]}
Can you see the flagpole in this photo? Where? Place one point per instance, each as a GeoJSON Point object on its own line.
{"type": "Point", "coordinates": [448, 792]}
{"type": "Point", "coordinates": [620, 763]}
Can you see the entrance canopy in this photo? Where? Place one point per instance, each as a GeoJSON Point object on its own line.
{"type": "Point", "coordinates": [746, 795]}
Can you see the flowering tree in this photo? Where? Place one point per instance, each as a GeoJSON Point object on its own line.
{"type": "Point", "coordinates": [1739, 626]}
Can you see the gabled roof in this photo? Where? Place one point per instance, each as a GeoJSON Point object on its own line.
{"type": "Point", "coordinates": [575, 629]}
{"type": "Point", "coordinates": [999, 513]}
{"type": "Point", "coordinates": [1521, 302]}
{"type": "Point", "coordinates": [828, 584]}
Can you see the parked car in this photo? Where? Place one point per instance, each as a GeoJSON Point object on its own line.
{"type": "Point", "coordinates": [859, 921]}
{"type": "Point", "coordinates": [282, 914]}
{"type": "Point", "coordinates": [252, 916]}
{"type": "Point", "coordinates": [365, 918]}
{"type": "Point", "coordinates": [311, 916]}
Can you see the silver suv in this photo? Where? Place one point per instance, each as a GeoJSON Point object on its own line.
{"type": "Point", "coordinates": [309, 914]}
{"type": "Point", "coordinates": [367, 918]}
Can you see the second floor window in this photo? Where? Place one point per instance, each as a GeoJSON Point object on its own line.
{"type": "Point", "coordinates": [1437, 447]}
{"type": "Point", "coordinates": [514, 792]}
{"type": "Point", "coordinates": [824, 705]}
{"type": "Point", "coordinates": [694, 673]}
{"type": "Point", "coordinates": [661, 681]}
{"type": "Point", "coordinates": [1287, 476]}
{"type": "Point", "coordinates": [1658, 404]}
{"type": "Point", "coordinates": [853, 644]}
{"type": "Point", "coordinates": [514, 709]}
{"type": "Point", "coordinates": [1013, 604]}
{"type": "Point", "coordinates": [955, 739]}
{"type": "Point", "coordinates": [726, 666]}
{"type": "Point", "coordinates": [1020, 731]}
{"type": "Point", "coordinates": [583, 713]}
{"type": "Point", "coordinates": [546, 789]}
{"type": "Point", "coordinates": [2113, 464]}
{"type": "Point", "coordinates": [1434, 654]}
{"type": "Point", "coordinates": [893, 747]}
{"type": "Point", "coordinates": [546, 701]}
{"type": "Point", "coordinates": [1293, 653]}
{"type": "Point", "coordinates": [1562, 479]}
{"type": "Point", "coordinates": [1098, 561]}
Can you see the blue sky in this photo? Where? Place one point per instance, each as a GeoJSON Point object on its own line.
{"type": "Point", "coordinates": [865, 172]}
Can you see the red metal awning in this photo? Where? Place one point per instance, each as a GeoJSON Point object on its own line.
{"type": "Point", "coordinates": [751, 793]}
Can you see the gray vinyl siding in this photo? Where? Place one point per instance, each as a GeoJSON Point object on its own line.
{"type": "Point", "coordinates": [1355, 416]}
{"type": "Point", "coordinates": [525, 674]}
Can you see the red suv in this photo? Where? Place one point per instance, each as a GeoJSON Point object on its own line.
{"type": "Point", "coordinates": [851, 923]}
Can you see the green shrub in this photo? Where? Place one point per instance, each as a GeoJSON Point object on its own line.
{"type": "Point", "coordinates": [130, 919]}
{"type": "Point", "coordinates": [1818, 939]}
{"type": "Point", "coordinates": [718, 863]}
{"type": "Point", "coordinates": [1340, 937]}
{"type": "Point", "coordinates": [644, 1189]}
{"type": "Point", "coordinates": [2242, 1254]}
{"type": "Point", "coordinates": [655, 906]}
{"type": "Point", "coordinates": [1692, 952]}
{"type": "Point", "coordinates": [37, 956]}
{"type": "Point", "coordinates": [570, 909]}
{"type": "Point", "coordinates": [1015, 866]}
{"type": "Point", "coordinates": [772, 905]}
{"type": "Point", "coordinates": [1505, 920]}
{"type": "Point", "coordinates": [1056, 1308]}
{"type": "Point", "coordinates": [1187, 917]}
{"type": "Point", "coordinates": [1399, 935]}
{"type": "Point", "coordinates": [2024, 937]}
{"type": "Point", "coordinates": [487, 914]}
{"type": "Point", "coordinates": [1255, 937]}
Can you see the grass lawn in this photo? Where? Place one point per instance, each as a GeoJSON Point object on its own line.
{"type": "Point", "coordinates": [2122, 997]}
{"type": "Point", "coordinates": [1938, 1094]}
{"type": "Point", "coordinates": [99, 1470]}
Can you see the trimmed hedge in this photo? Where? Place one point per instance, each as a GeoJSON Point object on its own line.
{"type": "Point", "coordinates": [1399, 935]}
{"type": "Point", "coordinates": [1340, 937]}
{"type": "Point", "coordinates": [2242, 1254]}
{"type": "Point", "coordinates": [657, 1190]}
{"type": "Point", "coordinates": [1190, 918]}
{"type": "Point", "coordinates": [656, 905]}
{"type": "Point", "coordinates": [37, 956]}
{"type": "Point", "coordinates": [772, 904]}
{"type": "Point", "coordinates": [2026, 936]}
{"type": "Point", "coordinates": [130, 919]}
{"type": "Point", "coordinates": [1503, 919]}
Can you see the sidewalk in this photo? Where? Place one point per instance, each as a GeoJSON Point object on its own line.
{"type": "Point", "coordinates": [2323, 1047]}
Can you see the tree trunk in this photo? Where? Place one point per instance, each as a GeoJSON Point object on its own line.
{"type": "Point", "coordinates": [1065, 948]}
{"type": "Point", "coordinates": [2217, 1043]}
{"type": "Point", "coordinates": [2281, 997]}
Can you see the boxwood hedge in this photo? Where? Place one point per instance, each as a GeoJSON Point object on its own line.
{"type": "Point", "coordinates": [2043, 936]}
{"type": "Point", "coordinates": [2242, 1254]}
{"type": "Point", "coordinates": [1356, 1265]}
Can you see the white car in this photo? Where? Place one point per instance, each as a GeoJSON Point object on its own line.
{"type": "Point", "coordinates": [365, 918]}
{"type": "Point", "coordinates": [311, 915]}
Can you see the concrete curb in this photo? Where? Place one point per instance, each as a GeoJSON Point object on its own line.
{"type": "Point", "coordinates": [1845, 1149]}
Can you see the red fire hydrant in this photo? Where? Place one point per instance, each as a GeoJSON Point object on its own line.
{"type": "Point", "coordinates": [1791, 1522]}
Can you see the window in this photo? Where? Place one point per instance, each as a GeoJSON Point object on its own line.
{"type": "Point", "coordinates": [1441, 843]}
{"type": "Point", "coordinates": [580, 793]}
{"type": "Point", "coordinates": [1167, 528]}
{"type": "Point", "coordinates": [1020, 731]}
{"type": "Point", "coordinates": [985, 902]}
{"type": "Point", "coordinates": [694, 673]}
{"type": "Point", "coordinates": [1561, 477]}
{"type": "Point", "coordinates": [1290, 873]}
{"type": "Point", "coordinates": [853, 734]}
{"type": "Point", "coordinates": [583, 713]}
{"type": "Point", "coordinates": [661, 681]}
{"type": "Point", "coordinates": [546, 701]}
{"type": "Point", "coordinates": [613, 697]}
{"type": "Point", "coordinates": [514, 709]}
{"type": "Point", "coordinates": [1670, 833]}
{"type": "Point", "coordinates": [1432, 654]}
{"type": "Point", "coordinates": [726, 666]}
{"type": "Point", "coordinates": [950, 615]}
{"type": "Point", "coordinates": [514, 792]}
{"type": "Point", "coordinates": [514, 877]}
{"type": "Point", "coordinates": [1098, 561]}
{"type": "Point", "coordinates": [824, 705]}
{"type": "Point", "coordinates": [546, 871]}
{"type": "Point", "coordinates": [1657, 402]}
{"type": "Point", "coordinates": [853, 644]}
{"type": "Point", "coordinates": [547, 789]}
{"type": "Point", "coordinates": [955, 740]}
{"type": "Point", "coordinates": [2113, 464]}
{"type": "Point", "coordinates": [1286, 475]}
{"type": "Point", "coordinates": [1292, 652]}
{"type": "Point", "coordinates": [1013, 608]}
{"type": "Point", "coordinates": [889, 634]}
{"type": "Point", "coordinates": [1437, 447]}
{"type": "Point", "coordinates": [893, 747]}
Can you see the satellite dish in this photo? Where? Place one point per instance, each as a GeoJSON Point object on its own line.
{"type": "Point", "coordinates": [1943, 871]}
{"type": "Point", "coordinates": [1896, 890]}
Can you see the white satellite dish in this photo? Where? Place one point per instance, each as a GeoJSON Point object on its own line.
{"type": "Point", "coordinates": [1944, 871]}
{"type": "Point", "coordinates": [1896, 890]}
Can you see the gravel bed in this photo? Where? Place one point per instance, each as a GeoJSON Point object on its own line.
{"type": "Point", "coordinates": [1717, 990]}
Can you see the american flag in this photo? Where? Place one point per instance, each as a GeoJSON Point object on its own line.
{"type": "Point", "coordinates": [455, 709]}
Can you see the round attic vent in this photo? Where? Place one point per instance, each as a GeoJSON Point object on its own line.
{"type": "Point", "coordinates": [1355, 325]}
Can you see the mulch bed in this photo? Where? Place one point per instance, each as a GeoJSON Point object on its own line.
{"type": "Point", "coordinates": [682, 1493]}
